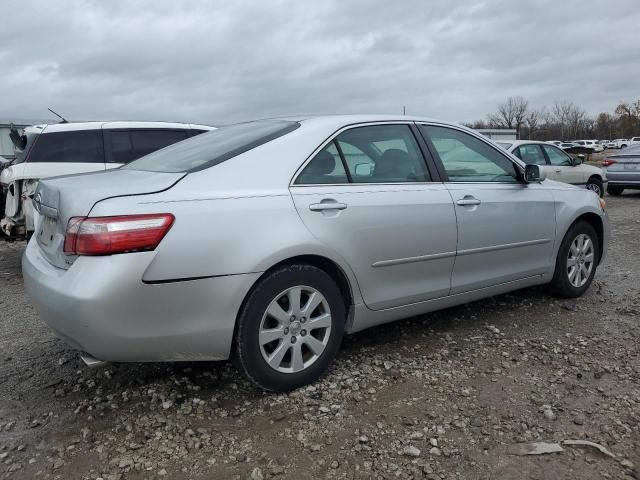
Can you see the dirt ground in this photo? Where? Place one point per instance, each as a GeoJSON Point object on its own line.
{"type": "Point", "coordinates": [450, 395]}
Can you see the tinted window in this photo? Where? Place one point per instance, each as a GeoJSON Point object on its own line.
{"type": "Point", "coordinates": [467, 159]}
{"type": "Point", "coordinates": [128, 145]}
{"type": "Point", "coordinates": [204, 151]}
{"type": "Point", "coordinates": [81, 146]}
{"type": "Point", "coordinates": [325, 168]}
{"type": "Point", "coordinates": [556, 156]}
{"type": "Point", "coordinates": [383, 154]}
{"type": "Point", "coordinates": [530, 154]}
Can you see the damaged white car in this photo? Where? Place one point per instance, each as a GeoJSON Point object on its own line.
{"type": "Point", "coordinates": [44, 151]}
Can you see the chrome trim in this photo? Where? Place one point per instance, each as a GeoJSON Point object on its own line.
{"type": "Point", "coordinates": [506, 246]}
{"type": "Point", "coordinates": [419, 258]}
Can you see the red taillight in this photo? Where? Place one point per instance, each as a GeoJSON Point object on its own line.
{"type": "Point", "coordinates": [111, 235]}
{"type": "Point", "coordinates": [608, 161]}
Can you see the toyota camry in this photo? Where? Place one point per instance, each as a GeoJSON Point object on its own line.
{"type": "Point", "coordinates": [268, 241]}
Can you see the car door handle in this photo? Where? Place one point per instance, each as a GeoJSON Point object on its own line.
{"type": "Point", "coordinates": [558, 170]}
{"type": "Point", "coordinates": [468, 200]}
{"type": "Point", "coordinates": [327, 205]}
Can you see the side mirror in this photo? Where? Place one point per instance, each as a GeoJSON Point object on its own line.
{"type": "Point", "coordinates": [578, 160]}
{"type": "Point", "coordinates": [533, 174]}
{"type": "Point", "coordinates": [363, 169]}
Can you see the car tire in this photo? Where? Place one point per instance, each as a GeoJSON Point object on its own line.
{"type": "Point", "coordinates": [614, 191]}
{"type": "Point", "coordinates": [595, 184]}
{"type": "Point", "coordinates": [275, 344]}
{"type": "Point", "coordinates": [576, 262]}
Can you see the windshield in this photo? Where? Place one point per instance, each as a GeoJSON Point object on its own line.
{"type": "Point", "coordinates": [209, 149]}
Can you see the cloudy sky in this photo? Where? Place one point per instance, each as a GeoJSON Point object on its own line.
{"type": "Point", "coordinates": [217, 62]}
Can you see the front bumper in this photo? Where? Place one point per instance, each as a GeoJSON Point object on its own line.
{"type": "Point", "coordinates": [101, 306]}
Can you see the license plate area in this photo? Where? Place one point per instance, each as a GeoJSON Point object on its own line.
{"type": "Point", "coordinates": [47, 230]}
{"type": "Point", "coordinates": [631, 166]}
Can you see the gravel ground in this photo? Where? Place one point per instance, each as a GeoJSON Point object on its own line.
{"type": "Point", "coordinates": [453, 395]}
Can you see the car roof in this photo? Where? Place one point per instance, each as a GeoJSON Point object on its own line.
{"type": "Point", "coordinates": [75, 126]}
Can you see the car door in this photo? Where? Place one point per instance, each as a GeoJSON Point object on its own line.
{"type": "Point", "coordinates": [124, 145]}
{"type": "Point", "coordinates": [369, 195]}
{"type": "Point", "coordinates": [506, 228]}
{"type": "Point", "coordinates": [563, 168]}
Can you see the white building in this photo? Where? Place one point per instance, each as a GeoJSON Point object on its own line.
{"type": "Point", "coordinates": [496, 134]}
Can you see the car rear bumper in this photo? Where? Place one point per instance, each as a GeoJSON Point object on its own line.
{"type": "Point", "coordinates": [101, 306]}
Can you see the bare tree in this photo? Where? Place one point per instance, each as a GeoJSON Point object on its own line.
{"type": "Point", "coordinates": [561, 111]}
{"type": "Point", "coordinates": [533, 118]}
{"type": "Point", "coordinates": [510, 114]}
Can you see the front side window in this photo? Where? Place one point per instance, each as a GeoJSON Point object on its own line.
{"type": "Point", "coordinates": [204, 151]}
{"type": "Point", "coordinates": [83, 146]}
{"type": "Point", "coordinates": [556, 156]}
{"type": "Point", "coordinates": [530, 154]}
{"type": "Point", "coordinates": [466, 158]}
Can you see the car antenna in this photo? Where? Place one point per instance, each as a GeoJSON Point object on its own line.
{"type": "Point", "coordinates": [64, 120]}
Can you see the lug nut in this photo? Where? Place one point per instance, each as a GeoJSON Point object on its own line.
{"type": "Point", "coordinates": [303, 319]}
{"type": "Point", "coordinates": [293, 318]}
{"type": "Point", "coordinates": [293, 339]}
{"type": "Point", "coordinates": [303, 333]}
{"type": "Point", "coordinates": [286, 331]}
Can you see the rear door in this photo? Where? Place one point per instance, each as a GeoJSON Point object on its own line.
{"type": "Point", "coordinates": [369, 195]}
{"type": "Point", "coordinates": [125, 145]}
{"type": "Point", "coordinates": [506, 228]}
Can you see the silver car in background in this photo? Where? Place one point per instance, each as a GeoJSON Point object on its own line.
{"type": "Point", "coordinates": [623, 170]}
{"type": "Point", "coordinates": [269, 240]}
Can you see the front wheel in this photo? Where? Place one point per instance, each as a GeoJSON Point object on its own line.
{"type": "Point", "coordinates": [290, 328]}
{"type": "Point", "coordinates": [576, 262]}
{"type": "Point", "coordinates": [595, 184]}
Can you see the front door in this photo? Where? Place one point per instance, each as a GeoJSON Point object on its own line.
{"type": "Point", "coordinates": [506, 229]}
{"type": "Point", "coordinates": [562, 168]}
{"type": "Point", "coordinates": [369, 196]}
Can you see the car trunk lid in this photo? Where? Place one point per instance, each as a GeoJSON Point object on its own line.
{"type": "Point", "coordinates": [58, 199]}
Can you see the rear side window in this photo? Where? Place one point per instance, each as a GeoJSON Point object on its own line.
{"type": "Point", "coordinates": [372, 154]}
{"type": "Point", "coordinates": [69, 147]}
{"type": "Point", "coordinates": [128, 145]}
{"type": "Point", "coordinates": [204, 151]}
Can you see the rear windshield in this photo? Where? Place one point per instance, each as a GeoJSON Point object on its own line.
{"type": "Point", "coordinates": [212, 148]}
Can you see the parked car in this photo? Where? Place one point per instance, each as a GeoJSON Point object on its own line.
{"type": "Point", "coordinates": [269, 240]}
{"type": "Point", "coordinates": [559, 166]}
{"type": "Point", "coordinates": [591, 144]}
{"type": "Point", "coordinates": [60, 149]}
{"type": "Point", "coordinates": [611, 144]}
{"type": "Point", "coordinates": [568, 145]}
{"type": "Point", "coordinates": [634, 141]}
{"type": "Point", "coordinates": [620, 143]}
{"type": "Point", "coordinates": [557, 143]}
{"type": "Point", "coordinates": [623, 170]}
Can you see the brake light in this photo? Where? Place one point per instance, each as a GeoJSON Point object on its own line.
{"type": "Point", "coordinates": [608, 161]}
{"type": "Point", "coordinates": [111, 235]}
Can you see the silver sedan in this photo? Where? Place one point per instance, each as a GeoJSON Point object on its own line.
{"type": "Point", "coordinates": [269, 240]}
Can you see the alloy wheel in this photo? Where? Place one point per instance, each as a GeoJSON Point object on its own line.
{"type": "Point", "coordinates": [580, 260]}
{"type": "Point", "coordinates": [594, 187]}
{"type": "Point", "coordinates": [295, 329]}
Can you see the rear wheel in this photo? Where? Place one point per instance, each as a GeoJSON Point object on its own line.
{"type": "Point", "coordinates": [595, 184]}
{"type": "Point", "coordinates": [290, 328]}
{"type": "Point", "coordinates": [614, 191]}
{"type": "Point", "coordinates": [576, 262]}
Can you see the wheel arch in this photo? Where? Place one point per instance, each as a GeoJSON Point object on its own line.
{"type": "Point", "coordinates": [329, 266]}
{"type": "Point", "coordinates": [596, 222]}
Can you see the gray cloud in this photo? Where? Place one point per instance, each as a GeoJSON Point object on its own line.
{"type": "Point", "coordinates": [215, 62]}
